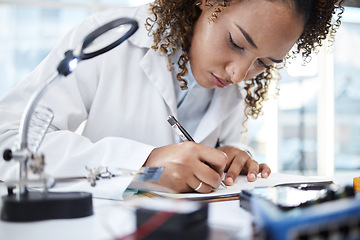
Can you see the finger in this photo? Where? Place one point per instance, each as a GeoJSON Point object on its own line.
{"type": "Point", "coordinates": [237, 164]}
{"type": "Point", "coordinates": [264, 170]}
{"type": "Point", "coordinates": [199, 186]}
{"type": "Point", "coordinates": [207, 175]}
{"type": "Point", "coordinates": [203, 188]}
{"type": "Point", "coordinates": [253, 169]}
{"type": "Point", "coordinates": [215, 158]}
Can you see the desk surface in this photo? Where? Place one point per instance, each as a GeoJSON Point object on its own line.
{"type": "Point", "coordinates": [114, 219]}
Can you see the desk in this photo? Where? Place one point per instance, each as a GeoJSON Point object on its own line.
{"type": "Point", "coordinates": [113, 219]}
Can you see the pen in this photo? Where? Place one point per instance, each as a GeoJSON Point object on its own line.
{"type": "Point", "coordinates": [184, 135]}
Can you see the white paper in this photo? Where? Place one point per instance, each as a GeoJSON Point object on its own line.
{"type": "Point", "coordinates": [241, 183]}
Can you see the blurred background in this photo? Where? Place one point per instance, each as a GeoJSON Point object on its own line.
{"type": "Point", "coordinates": [312, 127]}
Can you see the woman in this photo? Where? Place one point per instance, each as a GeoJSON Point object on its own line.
{"type": "Point", "coordinates": [220, 53]}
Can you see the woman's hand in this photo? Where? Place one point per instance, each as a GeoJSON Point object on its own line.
{"type": "Point", "coordinates": [240, 162]}
{"type": "Point", "coordinates": [185, 168]}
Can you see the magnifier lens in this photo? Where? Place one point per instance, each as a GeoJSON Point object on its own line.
{"type": "Point", "coordinates": [98, 42]}
{"type": "Point", "coordinates": [107, 38]}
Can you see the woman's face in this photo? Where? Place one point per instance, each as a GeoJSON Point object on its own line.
{"type": "Point", "coordinates": [245, 38]}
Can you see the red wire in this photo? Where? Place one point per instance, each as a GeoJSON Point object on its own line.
{"type": "Point", "coordinates": [148, 227]}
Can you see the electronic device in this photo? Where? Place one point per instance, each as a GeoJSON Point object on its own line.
{"type": "Point", "coordinates": [286, 213]}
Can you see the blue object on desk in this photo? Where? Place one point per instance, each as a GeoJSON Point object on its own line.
{"type": "Point", "coordinates": [337, 218]}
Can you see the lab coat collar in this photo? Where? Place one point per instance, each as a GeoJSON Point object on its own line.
{"type": "Point", "coordinates": [156, 69]}
{"type": "Point", "coordinates": [154, 64]}
{"type": "Point", "coordinates": [141, 37]}
{"type": "Point", "coordinates": [224, 101]}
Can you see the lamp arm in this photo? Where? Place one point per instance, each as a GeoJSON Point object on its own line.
{"type": "Point", "coordinates": [29, 109]}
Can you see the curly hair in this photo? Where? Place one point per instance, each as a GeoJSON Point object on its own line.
{"type": "Point", "coordinates": [173, 24]}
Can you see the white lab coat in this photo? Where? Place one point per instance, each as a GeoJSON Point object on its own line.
{"type": "Point", "coordinates": [124, 95]}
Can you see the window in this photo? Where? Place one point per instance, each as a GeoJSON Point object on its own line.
{"type": "Point", "coordinates": [30, 29]}
{"type": "Point", "coordinates": [298, 126]}
{"type": "Point", "coordinates": [347, 93]}
{"type": "Point", "coordinates": [313, 126]}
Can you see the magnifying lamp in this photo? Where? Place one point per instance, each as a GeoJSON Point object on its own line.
{"type": "Point", "coordinates": [23, 204]}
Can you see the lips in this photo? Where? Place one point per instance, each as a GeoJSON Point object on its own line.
{"type": "Point", "coordinates": [219, 82]}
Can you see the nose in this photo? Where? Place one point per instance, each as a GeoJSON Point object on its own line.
{"type": "Point", "coordinates": [239, 70]}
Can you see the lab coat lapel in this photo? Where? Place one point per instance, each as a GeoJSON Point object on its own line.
{"type": "Point", "coordinates": [156, 69]}
{"type": "Point", "coordinates": [220, 107]}
{"type": "Point", "coordinates": [154, 65]}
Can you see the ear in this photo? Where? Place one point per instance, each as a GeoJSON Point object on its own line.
{"type": "Point", "coordinates": [202, 4]}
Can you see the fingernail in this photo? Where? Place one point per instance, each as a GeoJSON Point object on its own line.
{"type": "Point", "coordinates": [252, 177]}
{"type": "Point", "coordinates": [230, 181]}
{"type": "Point", "coordinates": [265, 175]}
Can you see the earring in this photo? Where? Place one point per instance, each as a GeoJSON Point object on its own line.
{"type": "Point", "coordinates": [198, 4]}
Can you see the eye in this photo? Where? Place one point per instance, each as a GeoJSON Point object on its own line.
{"type": "Point", "coordinates": [233, 44]}
{"type": "Point", "coordinates": [262, 64]}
